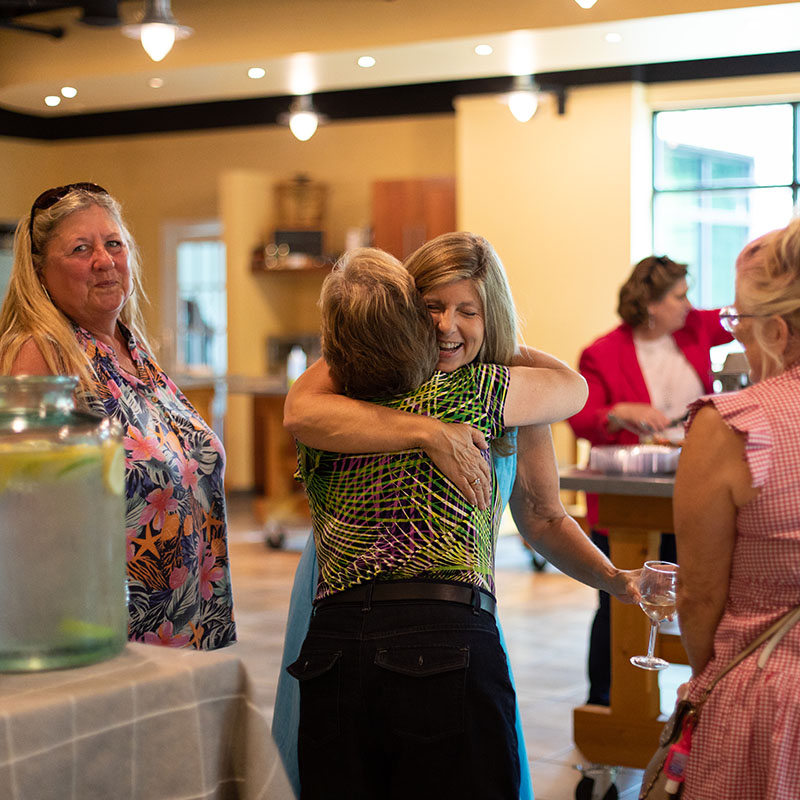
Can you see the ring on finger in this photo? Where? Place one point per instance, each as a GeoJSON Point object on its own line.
{"type": "Point", "coordinates": [476, 482]}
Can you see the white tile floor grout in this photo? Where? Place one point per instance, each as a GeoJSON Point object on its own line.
{"type": "Point", "coordinates": [545, 616]}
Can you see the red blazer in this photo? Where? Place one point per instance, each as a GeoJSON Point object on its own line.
{"type": "Point", "coordinates": [612, 371]}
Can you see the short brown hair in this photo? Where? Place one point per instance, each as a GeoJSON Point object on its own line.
{"type": "Point", "coordinates": [650, 280]}
{"type": "Point", "coordinates": [378, 338]}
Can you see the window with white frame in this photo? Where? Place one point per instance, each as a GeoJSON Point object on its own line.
{"type": "Point", "coordinates": [194, 336]}
{"type": "Point", "coordinates": [721, 177]}
{"type": "Point", "coordinates": [202, 306]}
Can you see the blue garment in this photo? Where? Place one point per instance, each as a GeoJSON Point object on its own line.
{"type": "Point", "coordinates": [286, 718]}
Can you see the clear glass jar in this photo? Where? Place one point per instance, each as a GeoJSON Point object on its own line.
{"type": "Point", "coordinates": [63, 597]}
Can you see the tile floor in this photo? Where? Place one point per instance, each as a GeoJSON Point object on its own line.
{"type": "Point", "coordinates": [545, 617]}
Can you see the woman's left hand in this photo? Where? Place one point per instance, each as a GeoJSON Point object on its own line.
{"type": "Point", "coordinates": [456, 451]}
{"type": "Point", "coordinates": [625, 586]}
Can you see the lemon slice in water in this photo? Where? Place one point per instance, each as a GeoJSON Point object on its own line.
{"type": "Point", "coordinates": [114, 467]}
{"type": "Point", "coordinates": [41, 461]}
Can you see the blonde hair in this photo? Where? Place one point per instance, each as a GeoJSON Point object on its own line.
{"type": "Point", "coordinates": [378, 338]}
{"type": "Point", "coordinates": [29, 313]}
{"type": "Point", "coordinates": [768, 283]}
{"type": "Point", "coordinates": [460, 256]}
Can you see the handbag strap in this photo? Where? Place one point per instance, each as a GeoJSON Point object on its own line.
{"type": "Point", "coordinates": [777, 629]}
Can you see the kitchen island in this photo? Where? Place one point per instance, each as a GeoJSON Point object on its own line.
{"type": "Point", "coordinates": [635, 511]}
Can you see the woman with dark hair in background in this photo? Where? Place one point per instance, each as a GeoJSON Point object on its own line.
{"type": "Point", "coordinates": [642, 376]}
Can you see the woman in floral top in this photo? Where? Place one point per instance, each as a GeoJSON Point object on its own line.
{"type": "Point", "coordinates": [72, 308]}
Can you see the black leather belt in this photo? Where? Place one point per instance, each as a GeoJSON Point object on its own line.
{"type": "Point", "coordinates": [388, 591]}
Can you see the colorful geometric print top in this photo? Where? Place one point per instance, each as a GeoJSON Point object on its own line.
{"type": "Point", "coordinates": [179, 587]}
{"type": "Point", "coordinates": [393, 516]}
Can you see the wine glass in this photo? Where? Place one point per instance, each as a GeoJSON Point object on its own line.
{"type": "Point", "coordinates": [657, 586]}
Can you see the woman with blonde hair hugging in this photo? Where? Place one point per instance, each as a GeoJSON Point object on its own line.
{"type": "Point", "coordinates": [404, 684]}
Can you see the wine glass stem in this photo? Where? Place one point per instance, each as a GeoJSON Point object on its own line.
{"type": "Point", "coordinates": [651, 645]}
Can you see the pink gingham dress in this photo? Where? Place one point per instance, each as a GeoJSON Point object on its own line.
{"type": "Point", "coordinates": [747, 741]}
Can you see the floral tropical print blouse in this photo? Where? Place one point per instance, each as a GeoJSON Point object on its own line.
{"type": "Point", "coordinates": [179, 587]}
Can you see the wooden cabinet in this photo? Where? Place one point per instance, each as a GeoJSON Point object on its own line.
{"type": "Point", "coordinates": [407, 213]}
{"type": "Point", "coordinates": [279, 497]}
{"type": "Point", "coordinates": [201, 396]}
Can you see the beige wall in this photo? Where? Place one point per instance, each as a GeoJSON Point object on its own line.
{"type": "Point", "coordinates": [565, 200]}
{"type": "Point", "coordinates": [229, 174]}
{"type": "Point", "coordinates": [554, 196]}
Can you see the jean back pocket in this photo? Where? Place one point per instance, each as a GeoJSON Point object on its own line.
{"type": "Point", "coordinates": [423, 690]}
{"type": "Point", "coordinates": [318, 674]}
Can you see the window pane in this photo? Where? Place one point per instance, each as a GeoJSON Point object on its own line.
{"type": "Point", "coordinates": [707, 230]}
{"type": "Point", "coordinates": [202, 321]}
{"type": "Point", "coordinates": [719, 147]}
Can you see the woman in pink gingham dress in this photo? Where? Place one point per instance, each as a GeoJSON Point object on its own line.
{"type": "Point", "coordinates": [737, 517]}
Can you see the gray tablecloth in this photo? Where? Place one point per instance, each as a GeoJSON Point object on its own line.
{"type": "Point", "coordinates": [151, 724]}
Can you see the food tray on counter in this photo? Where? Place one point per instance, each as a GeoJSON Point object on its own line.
{"type": "Point", "coordinates": [634, 459]}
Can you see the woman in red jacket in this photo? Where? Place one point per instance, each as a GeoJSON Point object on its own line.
{"type": "Point", "coordinates": [642, 375]}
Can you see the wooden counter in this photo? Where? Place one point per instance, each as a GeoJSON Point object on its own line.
{"type": "Point", "coordinates": [279, 497]}
{"type": "Point", "coordinates": [635, 511]}
{"type": "Point", "coordinates": [200, 392]}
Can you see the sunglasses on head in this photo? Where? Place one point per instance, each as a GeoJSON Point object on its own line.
{"type": "Point", "coordinates": [52, 196]}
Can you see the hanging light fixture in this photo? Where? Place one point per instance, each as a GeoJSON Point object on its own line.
{"type": "Point", "coordinates": [585, 3]}
{"type": "Point", "coordinates": [158, 30]}
{"type": "Point", "coordinates": [523, 100]}
{"type": "Point", "coordinates": [301, 118]}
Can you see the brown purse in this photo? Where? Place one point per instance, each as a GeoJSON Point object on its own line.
{"type": "Point", "coordinates": [654, 783]}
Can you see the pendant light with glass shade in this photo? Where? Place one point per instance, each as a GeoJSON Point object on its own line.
{"type": "Point", "coordinates": [523, 99]}
{"type": "Point", "coordinates": [301, 118]}
{"type": "Point", "coordinates": [158, 30]}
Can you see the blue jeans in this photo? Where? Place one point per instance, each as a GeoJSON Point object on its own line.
{"type": "Point", "coordinates": [405, 699]}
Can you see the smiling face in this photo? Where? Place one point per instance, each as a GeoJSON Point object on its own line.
{"type": "Point", "coordinates": [669, 313]}
{"type": "Point", "coordinates": [86, 270]}
{"type": "Point", "coordinates": [457, 312]}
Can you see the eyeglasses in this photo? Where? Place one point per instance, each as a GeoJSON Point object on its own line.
{"type": "Point", "coordinates": [52, 196]}
{"type": "Point", "coordinates": [729, 318]}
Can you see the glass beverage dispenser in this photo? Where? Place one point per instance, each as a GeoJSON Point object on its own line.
{"type": "Point", "coordinates": [62, 529]}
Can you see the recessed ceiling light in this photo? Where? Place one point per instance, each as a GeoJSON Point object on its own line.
{"type": "Point", "coordinates": [366, 62]}
{"type": "Point", "coordinates": [256, 72]}
{"type": "Point", "coordinates": [52, 100]}
{"type": "Point", "coordinates": [69, 91]}
{"type": "Point", "coordinates": [484, 50]}
{"type": "Point", "coordinates": [155, 83]}
{"type": "Point", "coordinates": [613, 38]}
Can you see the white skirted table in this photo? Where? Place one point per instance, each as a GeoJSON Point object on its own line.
{"type": "Point", "coordinates": [153, 723]}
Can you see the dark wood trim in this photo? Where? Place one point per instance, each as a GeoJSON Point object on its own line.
{"type": "Point", "coordinates": [385, 101]}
